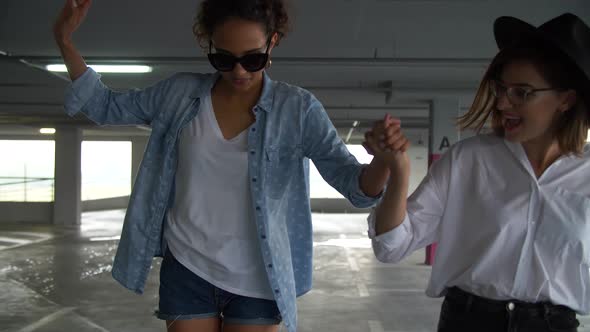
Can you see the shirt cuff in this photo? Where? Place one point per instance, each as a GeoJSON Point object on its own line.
{"type": "Point", "coordinates": [394, 238]}
{"type": "Point", "coordinates": [358, 197]}
{"type": "Point", "coordinates": [79, 92]}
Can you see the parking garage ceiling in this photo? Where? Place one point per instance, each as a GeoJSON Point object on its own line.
{"type": "Point", "coordinates": [360, 57]}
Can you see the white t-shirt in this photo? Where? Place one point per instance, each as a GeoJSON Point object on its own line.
{"type": "Point", "coordinates": [210, 228]}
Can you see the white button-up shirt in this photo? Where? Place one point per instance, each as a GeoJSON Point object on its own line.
{"type": "Point", "coordinates": [502, 232]}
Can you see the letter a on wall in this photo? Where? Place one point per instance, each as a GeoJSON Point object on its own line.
{"type": "Point", "coordinates": [444, 143]}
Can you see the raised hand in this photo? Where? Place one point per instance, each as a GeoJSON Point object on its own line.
{"type": "Point", "coordinates": [387, 143]}
{"type": "Point", "coordinates": [69, 19]}
{"type": "Point", "coordinates": [392, 138]}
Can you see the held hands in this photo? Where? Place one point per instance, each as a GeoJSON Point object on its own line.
{"type": "Point", "coordinates": [69, 19]}
{"type": "Point", "coordinates": [388, 144]}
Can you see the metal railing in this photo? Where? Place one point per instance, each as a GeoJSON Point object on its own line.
{"type": "Point", "coordinates": [26, 189]}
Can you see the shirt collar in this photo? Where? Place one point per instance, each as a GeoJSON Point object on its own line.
{"type": "Point", "coordinates": [264, 102]}
{"type": "Point", "coordinates": [518, 152]}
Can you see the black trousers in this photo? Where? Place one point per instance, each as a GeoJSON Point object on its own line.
{"type": "Point", "coordinates": [462, 311]}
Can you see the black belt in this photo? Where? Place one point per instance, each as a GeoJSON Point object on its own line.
{"type": "Point", "coordinates": [477, 303]}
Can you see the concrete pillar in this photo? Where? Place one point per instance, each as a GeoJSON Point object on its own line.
{"type": "Point", "coordinates": [443, 133]}
{"type": "Point", "coordinates": [138, 145]}
{"type": "Point", "coordinates": [67, 208]}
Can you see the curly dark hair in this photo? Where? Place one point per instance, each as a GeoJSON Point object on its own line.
{"type": "Point", "coordinates": [272, 14]}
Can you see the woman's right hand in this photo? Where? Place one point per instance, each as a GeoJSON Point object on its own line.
{"type": "Point", "coordinates": [69, 19]}
{"type": "Point", "coordinates": [387, 142]}
{"type": "Point", "coordinates": [389, 145]}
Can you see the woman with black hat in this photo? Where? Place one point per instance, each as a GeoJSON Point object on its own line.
{"type": "Point", "coordinates": [510, 210]}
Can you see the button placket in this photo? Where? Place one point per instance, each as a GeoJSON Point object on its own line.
{"type": "Point", "coordinates": [510, 306]}
{"type": "Point", "coordinates": [258, 208]}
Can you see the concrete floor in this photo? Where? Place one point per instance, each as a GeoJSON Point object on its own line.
{"type": "Point", "coordinates": [58, 279]}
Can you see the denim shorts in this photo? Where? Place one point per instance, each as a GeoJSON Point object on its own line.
{"type": "Point", "coordinates": [184, 295]}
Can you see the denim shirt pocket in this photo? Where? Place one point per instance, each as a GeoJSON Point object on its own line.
{"type": "Point", "coordinates": [281, 163]}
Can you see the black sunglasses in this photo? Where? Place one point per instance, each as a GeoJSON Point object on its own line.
{"type": "Point", "coordinates": [250, 62]}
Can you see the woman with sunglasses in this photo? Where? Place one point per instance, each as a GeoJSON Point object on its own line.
{"type": "Point", "coordinates": [222, 191]}
{"type": "Point", "coordinates": [510, 211]}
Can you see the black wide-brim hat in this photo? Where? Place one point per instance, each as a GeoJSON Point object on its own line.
{"type": "Point", "coordinates": [567, 32]}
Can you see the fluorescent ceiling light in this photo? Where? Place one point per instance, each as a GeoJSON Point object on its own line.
{"type": "Point", "coordinates": [47, 131]}
{"type": "Point", "coordinates": [133, 69]}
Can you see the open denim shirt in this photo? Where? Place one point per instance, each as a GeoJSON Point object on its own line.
{"type": "Point", "coordinates": [291, 127]}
